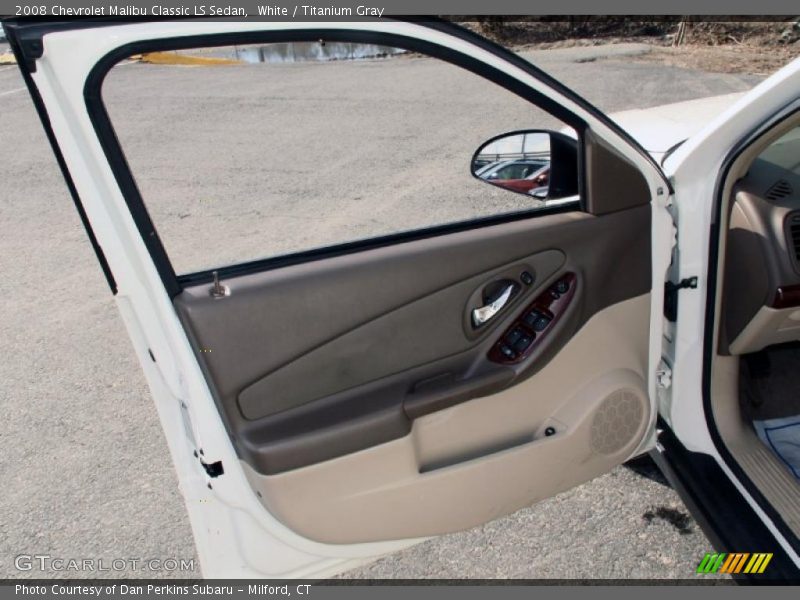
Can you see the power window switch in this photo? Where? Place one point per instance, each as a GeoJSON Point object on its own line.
{"type": "Point", "coordinates": [541, 323]}
{"type": "Point", "coordinates": [507, 352]}
{"type": "Point", "coordinates": [523, 343]}
{"type": "Point", "coordinates": [513, 336]}
{"type": "Point", "coordinates": [530, 318]}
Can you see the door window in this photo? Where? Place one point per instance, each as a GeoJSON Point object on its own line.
{"type": "Point", "coordinates": [244, 153]}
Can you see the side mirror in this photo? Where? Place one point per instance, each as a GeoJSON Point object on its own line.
{"type": "Point", "coordinates": [538, 163]}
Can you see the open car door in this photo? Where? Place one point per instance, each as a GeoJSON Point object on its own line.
{"type": "Point", "coordinates": [328, 406]}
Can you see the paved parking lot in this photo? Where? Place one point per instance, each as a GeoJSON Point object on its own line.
{"type": "Point", "coordinates": [84, 464]}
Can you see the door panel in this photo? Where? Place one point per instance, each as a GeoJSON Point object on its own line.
{"type": "Point", "coordinates": [314, 361]}
{"type": "Point", "coordinates": [489, 457]}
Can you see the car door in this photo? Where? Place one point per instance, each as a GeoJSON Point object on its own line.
{"type": "Point", "coordinates": [332, 404]}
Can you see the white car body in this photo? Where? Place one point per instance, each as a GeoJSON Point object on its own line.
{"type": "Point", "coordinates": [659, 128]}
{"type": "Point", "coordinates": [707, 129]}
{"type": "Point", "coordinates": [235, 535]}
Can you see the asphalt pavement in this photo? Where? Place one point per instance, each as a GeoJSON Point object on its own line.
{"type": "Point", "coordinates": [84, 465]}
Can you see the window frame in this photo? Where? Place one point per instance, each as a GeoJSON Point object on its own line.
{"type": "Point", "coordinates": [118, 163]}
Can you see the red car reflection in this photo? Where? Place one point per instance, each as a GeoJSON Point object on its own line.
{"type": "Point", "coordinates": [516, 175]}
{"type": "Point", "coordinates": [535, 180]}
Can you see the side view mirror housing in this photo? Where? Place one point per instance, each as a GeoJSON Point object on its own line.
{"type": "Point", "coordinates": [538, 163]}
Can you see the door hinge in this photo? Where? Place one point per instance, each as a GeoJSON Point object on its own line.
{"type": "Point", "coordinates": [671, 296]}
{"type": "Point", "coordinates": [663, 376]}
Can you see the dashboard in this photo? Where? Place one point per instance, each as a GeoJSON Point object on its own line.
{"type": "Point", "coordinates": [761, 301]}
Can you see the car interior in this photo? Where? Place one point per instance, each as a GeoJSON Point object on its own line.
{"type": "Point", "coordinates": [755, 382]}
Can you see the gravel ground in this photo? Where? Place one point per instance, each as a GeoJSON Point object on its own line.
{"type": "Point", "coordinates": [84, 464]}
{"type": "Point", "coordinates": [621, 525]}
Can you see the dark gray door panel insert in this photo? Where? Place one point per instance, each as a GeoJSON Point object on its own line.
{"type": "Point", "coordinates": [416, 334]}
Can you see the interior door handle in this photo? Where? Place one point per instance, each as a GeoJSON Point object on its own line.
{"type": "Point", "coordinates": [485, 313]}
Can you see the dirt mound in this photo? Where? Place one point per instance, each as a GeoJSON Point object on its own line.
{"type": "Point", "coordinates": [727, 45]}
{"type": "Point", "coordinates": [672, 30]}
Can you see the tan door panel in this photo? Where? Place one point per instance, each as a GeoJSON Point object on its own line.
{"type": "Point", "coordinates": [488, 457]}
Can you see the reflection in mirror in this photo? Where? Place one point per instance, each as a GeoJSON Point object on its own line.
{"type": "Point", "coordinates": [539, 164]}
{"type": "Point", "coordinates": [519, 162]}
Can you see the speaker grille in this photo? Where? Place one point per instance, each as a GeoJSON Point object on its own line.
{"type": "Point", "coordinates": [617, 421]}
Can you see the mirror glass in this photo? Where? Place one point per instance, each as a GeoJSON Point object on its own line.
{"type": "Point", "coordinates": [521, 162]}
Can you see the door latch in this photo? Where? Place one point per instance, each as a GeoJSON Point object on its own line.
{"type": "Point", "coordinates": [671, 296]}
{"type": "Point", "coordinates": [663, 375]}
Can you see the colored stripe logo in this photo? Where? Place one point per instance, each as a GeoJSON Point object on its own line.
{"type": "Point", "coordinates": [733, 563]}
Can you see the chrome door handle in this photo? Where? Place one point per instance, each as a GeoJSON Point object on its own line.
{"type": "Point", "coordinates": [484, 313]}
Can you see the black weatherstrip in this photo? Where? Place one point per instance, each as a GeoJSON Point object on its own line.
{"type": "Point", "coordinates": [11, 32]}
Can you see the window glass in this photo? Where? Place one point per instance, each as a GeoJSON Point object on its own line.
{"type": "Point", "coordinates": [243, 153]}
{"type": "Point", "coordinates": [785, 152]}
